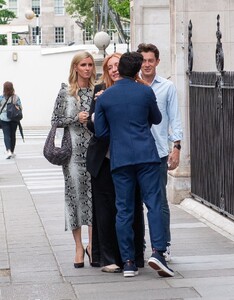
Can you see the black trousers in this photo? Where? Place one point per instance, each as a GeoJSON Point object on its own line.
{"type": "Point", "coordinates": [104, 242]}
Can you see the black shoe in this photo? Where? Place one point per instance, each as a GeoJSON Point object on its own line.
{"type": "Point", "coordinates": [140, 263]}
{"type": "Point", "coordinates": [79, 265]}
{"type": "Point", "coordinates": [94, 264]}
{"type": "Point", "coordinates": [158, 263]}
{"type": "Point", "coordinates": [87, 252]}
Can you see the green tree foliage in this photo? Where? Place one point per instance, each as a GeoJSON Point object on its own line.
{"type": "Point", "coordinates": [121, 7]}
{"type": "Point", "coordinates": [5, 17]}
{"type": "Point", "coordinates": [5, 14]}
{"type": "Point", "coordinates": [83, 10]}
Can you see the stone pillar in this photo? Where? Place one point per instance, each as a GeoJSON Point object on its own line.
{"type": "Point", "coordinates": [179, 181]}
{"type": "Point", "coordinates": [9, 38]}
{"type": "Point", "coordinates": [163, 23]}
{"type": "Point", "coordinates": [98, 58]}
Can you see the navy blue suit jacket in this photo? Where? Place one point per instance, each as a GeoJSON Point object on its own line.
{"type": "Point", "coordinates": [126, 112]}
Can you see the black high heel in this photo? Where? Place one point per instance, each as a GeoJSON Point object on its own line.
{"type": "Point", "coordinates": [92, 264]}
{"type": "Point", "coordinates": [81, 264]}
{"type": "Point", "coordinates": [87, 252]}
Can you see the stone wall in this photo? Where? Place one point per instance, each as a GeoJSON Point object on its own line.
{"type": "Point", "coordinates": [150, 23]}
{"type": "Point", "coordinates": [165, 23]}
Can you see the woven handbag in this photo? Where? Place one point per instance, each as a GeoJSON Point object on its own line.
{"type": "Point", "coordinates": [58, 155]}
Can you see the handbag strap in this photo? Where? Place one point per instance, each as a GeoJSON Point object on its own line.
{"type": "Point", "coordinates": [4, 105]}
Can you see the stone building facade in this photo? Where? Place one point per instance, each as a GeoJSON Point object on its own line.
{"type": "Point", "coordinates": [56, 27]}
{"type": "Point", "coordinates": [165, 23]}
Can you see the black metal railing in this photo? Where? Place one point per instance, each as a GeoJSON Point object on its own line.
{"type": "Point", "coordinates": [211, 96]}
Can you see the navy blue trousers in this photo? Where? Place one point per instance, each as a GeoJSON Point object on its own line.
{"type": "Point", "coordinates": [125, 179]}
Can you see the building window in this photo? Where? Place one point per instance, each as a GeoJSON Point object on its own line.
{"type": "Point", "coordinates": [88, 36]}
{"type": "Point", "coordinates": [59, 35]}
{"type": "Point", "coordinates": [59, 7]}
{"type": "Point", "coordinates": [126, 28]}
{"type": "Point", "coordinates": [112, 34]}
{"type": "Point", "coordinates": [36, 7]}
{"type": "Point", "coordinates": [12, 5]}
{"type": "Point", "coordinates": [34, 35]}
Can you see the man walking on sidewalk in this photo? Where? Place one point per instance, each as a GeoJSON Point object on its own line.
{"type": "Point", "coordinates": [125, 112]}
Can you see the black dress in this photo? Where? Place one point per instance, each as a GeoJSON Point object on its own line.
{"type": "Point", "coordinates": [105, 248]}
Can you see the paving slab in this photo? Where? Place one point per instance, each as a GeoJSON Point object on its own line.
{"type": "Point", "coordinates": [58, 291]}
{"type": "Point", "coordinates": [36, 254]}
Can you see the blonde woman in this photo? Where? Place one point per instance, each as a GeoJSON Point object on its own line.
{"type": "Point", "coordinates": [71, 110]}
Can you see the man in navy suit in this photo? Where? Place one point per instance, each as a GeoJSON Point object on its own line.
{"type": "Point", "coordinates": [125, 113]}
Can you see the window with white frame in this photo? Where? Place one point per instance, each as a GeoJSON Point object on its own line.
{"type": "Point", "coordinates": [59, 35]}
{"type": "Point", "coordinates": [12, 6]}
{"type": "Point", "coordinates": [34, 35]}
{"type": "Point", "coordinates": [59, 7]}
{"type": "Point", "coordinates": [36, 7]}
{"type": "Point", "coordinates": [112, 33]}
{"type": "Point", "coordinates": [15, 40]}
{"type": "Point", "coordinates": [88, 36]}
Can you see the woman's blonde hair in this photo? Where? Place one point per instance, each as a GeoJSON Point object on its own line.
{"type": "Point", "coordinates": [73, 77]}
{"type": "Point", "coordinates": [105, 76]}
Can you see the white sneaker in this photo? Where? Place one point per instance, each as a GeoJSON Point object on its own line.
{"type": "Point", "coordinates": [167, 254]}
{"type": "Point", "coordinates": [9, 154]}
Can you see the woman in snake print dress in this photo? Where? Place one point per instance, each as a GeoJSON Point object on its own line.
{"type": "Point", "coordinates": [71, 109]}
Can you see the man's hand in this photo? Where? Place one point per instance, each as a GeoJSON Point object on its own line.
{"type": "Point", "coordinates": [173, 159]}
{"type": "Point", "coordinates": [98, 94]}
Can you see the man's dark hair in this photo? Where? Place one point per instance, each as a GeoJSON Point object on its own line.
{"type": "Point", "coordinates": [130, 64]}
{"type": "Point", "coordinates": [148, 48]}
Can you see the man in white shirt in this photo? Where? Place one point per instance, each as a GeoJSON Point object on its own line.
{"type": "Point", "coordinates": [169, 129]}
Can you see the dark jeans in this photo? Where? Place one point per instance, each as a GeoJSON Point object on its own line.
{"type": "Point", "coordinates": [9, 132]}
{"type": "Point", "coordinates": [165, 206]}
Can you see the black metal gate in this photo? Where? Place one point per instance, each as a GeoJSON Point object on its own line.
{"type": "Point", "coordinates": [211, 97]}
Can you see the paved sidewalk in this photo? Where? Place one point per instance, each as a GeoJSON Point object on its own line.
{"type": "Point", "coordinates": [36, 254]}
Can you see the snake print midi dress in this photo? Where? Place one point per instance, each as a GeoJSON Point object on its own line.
{"type": "Point", "coordinates": [78, 197]}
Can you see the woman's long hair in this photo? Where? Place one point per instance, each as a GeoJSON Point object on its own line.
{"type": "Point", "coordinates": [105, 76]}
{"type": "Point", "coordinates": [73, 77]}
{"type": "Point", "coordinates": [8, 89]}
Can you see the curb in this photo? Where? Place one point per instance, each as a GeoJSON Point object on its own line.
{"type": "Point", "coordinates": [207, 215]}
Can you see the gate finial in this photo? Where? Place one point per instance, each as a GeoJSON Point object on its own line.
{"type": "Point", "coordinates": [219, 49]}
{"type": "Point", "coordinates": [190, 48]}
